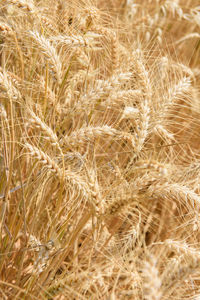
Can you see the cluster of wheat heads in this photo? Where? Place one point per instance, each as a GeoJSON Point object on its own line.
{"type": "Point", "coordinates": [99, 122]}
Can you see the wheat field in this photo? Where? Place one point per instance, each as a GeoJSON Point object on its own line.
{"type": "Point", "coordinates": [100, 149]}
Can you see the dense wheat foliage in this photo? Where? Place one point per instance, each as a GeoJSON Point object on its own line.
{"type": "Point", "coordinates": [100, 149]}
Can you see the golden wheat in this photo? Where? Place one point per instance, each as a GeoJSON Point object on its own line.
{"type": "Point", "coordinates": [99, 122]}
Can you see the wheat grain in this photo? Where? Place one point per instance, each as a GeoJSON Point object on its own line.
{"type": "Point", "coordinates": [28, 6]}
{"type": "Point", "coordinates": [5, 29]}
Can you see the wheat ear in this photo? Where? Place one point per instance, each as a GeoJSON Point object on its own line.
{"type": "Point", "coordinates": [177, 91]}
{"type": "Point", "coordinates": [141, 130]}
{"type": "Point", "coordinates": [90, 134]}
{"type": "Point", "coordinates": [8, 87]}
{"type": "Point", "coordinates": [151, 279]}
{"type": "Point", "coordinates": [37, 122]}
{"type": "Point", "coordinates": [44, 159]}
{"type": "Point", "coordinates": [176, 192]}
{"type": "Point", "coordinates": [89, 40]}
{"type": "Point", "coordinates": [50, 53]}
{"type": "Point", "coordinates": [69, 177]}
